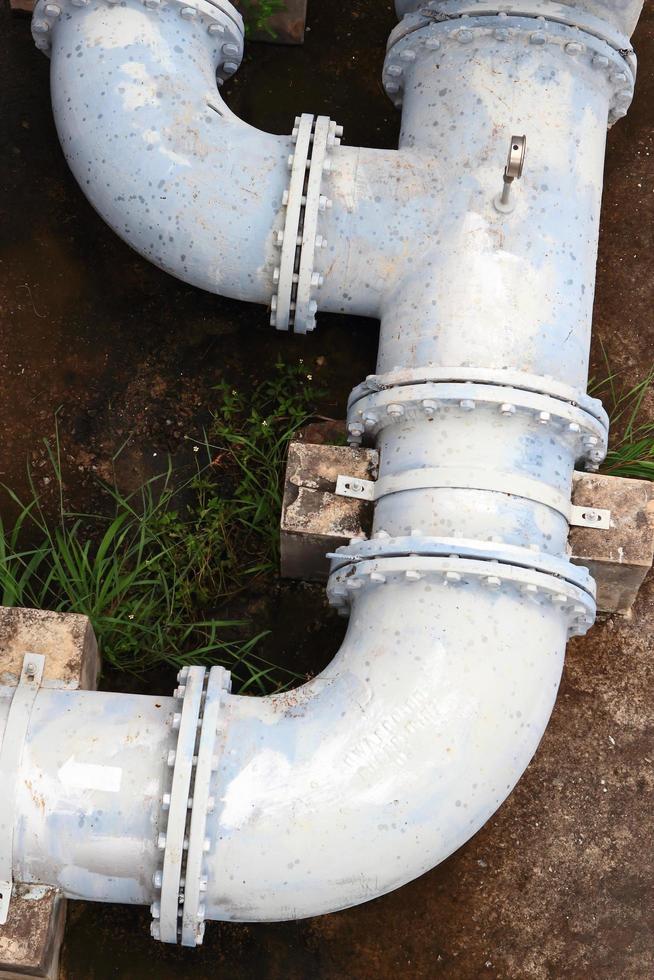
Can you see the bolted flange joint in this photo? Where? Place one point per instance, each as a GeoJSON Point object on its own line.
{"type": "Point", "coordinates": [296, 281]}
{"type": "Point", "coordinates": [178, 911]}
{"type": "Point", "coordinates": [354, 580]}
{"type": "Point", "coordinates": [219, 20]}
{"type": "Point", "coordinates": [586, 434]}
{"type": "Point", "coordinates": [430, 34]}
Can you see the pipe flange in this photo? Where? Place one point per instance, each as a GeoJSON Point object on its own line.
{"type": "Point", "coordinates": [202, 805]}
{"type": "Point", "coordinates": [351, 580]}
{"type": "Point", "coordinates": [218, 18]}
{"type": "Point", "coordinates": [294, 304]}
{"type": "Point", "coordinates": [383, 545]}
{"type": "Point", "coordinates": [424, 402]}
{"type": "Point", "coordinates": [178, 914]}
{"type": "Point", "coordinates": [559, 13]}
{"type": "Point", "coordinates": [173, 841]}
{"type": "Point", "coordinates": [538, 384]}
{"type": "Point", "coordinates": [618, 67]}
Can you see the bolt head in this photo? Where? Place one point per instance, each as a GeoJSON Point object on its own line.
{"type": "Point", "coordinates": [230, 67]}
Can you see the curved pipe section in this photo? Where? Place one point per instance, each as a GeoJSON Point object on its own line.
{"type": "Point", "coordinates": [197, 191]}
{"type": "Point", "coordinates": [326, 796]}
{"type": "Point", "coordinates": [462, 601]}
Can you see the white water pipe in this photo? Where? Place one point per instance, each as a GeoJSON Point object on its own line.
{"type": "Point", "coordinates": [461, 602]}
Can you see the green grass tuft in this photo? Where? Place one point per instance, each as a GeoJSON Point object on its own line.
{"type": "Point", "coordinates": [631, 446]}
{"type": "Point", "coordinates": [152, 571]}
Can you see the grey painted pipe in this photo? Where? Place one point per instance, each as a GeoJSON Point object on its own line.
{"type": "Point", "coordinates": [462, 601]}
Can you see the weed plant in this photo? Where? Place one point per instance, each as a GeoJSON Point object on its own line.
{"type": "Point", "coordinates": [631, 445]}
{"type": "Point", "coordinates": [153, 571]}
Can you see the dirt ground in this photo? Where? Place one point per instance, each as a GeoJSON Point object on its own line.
{"type": "Point", "coordinates": [559, 883]}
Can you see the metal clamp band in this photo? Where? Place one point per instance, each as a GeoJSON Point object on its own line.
{"type": "Point", "coordinates": [468, 478]}
{"type": "Point", "coordinates": [11, 752]}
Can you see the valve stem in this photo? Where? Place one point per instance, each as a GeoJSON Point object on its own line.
{"type": "Point", "coordinates": [513, 171]}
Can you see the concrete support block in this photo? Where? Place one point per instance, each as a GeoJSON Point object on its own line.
{"type": "Point", "coordinates": [66, 639]}
{"type": "Point", "coordinates": [620, 557]}
{"type": "Point", "coordinates": [31, 939]}
{"type": "Point", "coordinates": [314, 519]}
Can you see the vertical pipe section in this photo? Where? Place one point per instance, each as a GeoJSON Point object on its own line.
{"type": "Point", "coordinates": [499, 290]}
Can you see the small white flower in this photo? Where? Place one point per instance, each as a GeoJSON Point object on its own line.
{"type": "Point", "coordinates": [196, 449]}
{"type": "Point", "coordinates": [309, 377]}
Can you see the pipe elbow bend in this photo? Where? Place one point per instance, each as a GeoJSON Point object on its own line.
{"type": "Point", "coordinates": [382, 766]}
{"type": "Point", "coordinates": [157, 152]}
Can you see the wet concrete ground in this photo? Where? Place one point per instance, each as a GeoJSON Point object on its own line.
{"type": "Point", "coordinates": [559, 883]}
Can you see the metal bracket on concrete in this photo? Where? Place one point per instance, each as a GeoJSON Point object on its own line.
{"type": "Point", "coordinates": [352, 486]}
{"type": "Point", "coordinates": [464, 479]}
{"type": "Point", "coordinates": [590, 517]}
{"type": "Point", "coordinates": [11, 752]}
